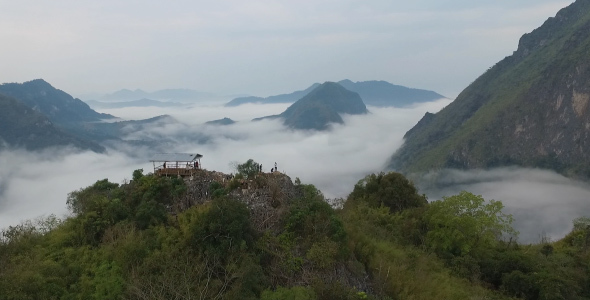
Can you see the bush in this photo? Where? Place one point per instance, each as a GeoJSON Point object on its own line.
{"type": "Point", "coordinates": [217, 190]}
{"type": "Point", "coordinates": [225, 228]}
{"type": "Point", "coordinates": [392, 190]}
{"type": "Point", "coordinates": [249, 168]}
{"type": "Point", "coordinates": [459, 224]}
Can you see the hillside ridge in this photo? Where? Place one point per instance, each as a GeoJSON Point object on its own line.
{"type": "Point", "coordinates": [530, 109]}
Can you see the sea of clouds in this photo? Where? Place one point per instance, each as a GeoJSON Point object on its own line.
{"type": "Point", "coordinates": [33, 184]}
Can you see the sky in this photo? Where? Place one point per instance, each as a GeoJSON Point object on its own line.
{"type": "Point", "coordinates": [260, 47]}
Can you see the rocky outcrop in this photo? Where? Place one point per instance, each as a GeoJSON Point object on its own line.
{"type": "Point", "coordinates": [269, 198]}
{"type": "Point", "coordinates": [267, 195]}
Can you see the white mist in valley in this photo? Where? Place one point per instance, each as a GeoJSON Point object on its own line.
{"type": "Point", "coordinates": [333, 160]}
{"type": "Point", "coordinates": [34, 184]}
{"type": "Point", "coordinates": [543, 203]}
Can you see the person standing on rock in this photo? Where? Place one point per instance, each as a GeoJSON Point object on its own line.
{"type": "Point", "coordinates": [276, 166]}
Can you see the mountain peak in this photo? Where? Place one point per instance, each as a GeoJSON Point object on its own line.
{"type": "Point", "coordinates": [60, 107]}
{"type": "Point", "coordinates": [37, 84]}
{"type": "Point", "coordinates": [23, 126]}
{"type": "Point", "coordinates": [37, 81]}
{"type": "Point", "coordinates": [345, 81]}
{"type": "Point", "coordinates": [283, 98]}
{"type": "Point", "coordinates": [323, 105]}
{"type": "Point", "coordinates": [224, 121]}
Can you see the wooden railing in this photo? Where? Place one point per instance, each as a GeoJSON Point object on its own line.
{"type": "Point", "coordinates": [175, 171]}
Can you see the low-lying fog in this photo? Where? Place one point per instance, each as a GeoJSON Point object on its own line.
{"type": "Point", "coordinates": [542, 202]}
{"type": "Point", "coordinates": [34, 184]}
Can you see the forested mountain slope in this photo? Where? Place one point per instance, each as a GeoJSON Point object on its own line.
{"type": "Point", "coordinates": [530, 109]}
{"type": "Point", "coordinates": [261, 236]}
{"type": "Point", "coordinates": [37, 116]}
{"type": "Point", "coordinates": [21, 126]}
{"type": "Point", "coordinates": [57, 105]}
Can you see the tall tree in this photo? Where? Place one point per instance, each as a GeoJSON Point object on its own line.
{"type": "Point", "coordinates": [459, 224]}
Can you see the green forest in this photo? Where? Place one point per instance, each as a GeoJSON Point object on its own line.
{"type": "Point", "coordinates": [385, 241]}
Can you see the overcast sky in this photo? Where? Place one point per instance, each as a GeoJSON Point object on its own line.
{"type": "Point", "coordinates": [260, 47]}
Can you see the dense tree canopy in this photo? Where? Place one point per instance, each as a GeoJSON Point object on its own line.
{"type": "Point", "coordinates": [124, 242]}
{"type": "Point", "coordinates": [460, 223]}
{"type": "Point", "coordinates": [392, 190]}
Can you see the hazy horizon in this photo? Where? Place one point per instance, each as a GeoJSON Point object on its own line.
{"type": "Point", "coordinates": [263, 47]}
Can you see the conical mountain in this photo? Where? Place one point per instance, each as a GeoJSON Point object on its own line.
{"type": "Point", "coordinates": [530, 109]}
{"type": "Point", "coordinates": [322, 106]}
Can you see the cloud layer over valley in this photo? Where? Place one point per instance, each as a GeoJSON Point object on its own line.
{"type": "Point", "coordinates": [542, 202]}
{"type": "Point", "coordinates": [34, 184]}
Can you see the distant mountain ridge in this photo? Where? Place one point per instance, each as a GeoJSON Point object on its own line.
{"type": "Point", "coordinates": [36, 115]}
{"type": "Point", "coordinates": [60, 107]}
{"type": "Point", "coordinates": [283, 98]}
{"type": "Point", "coordinates": [163, 95]}
{"type": "Point", "coordinates": [373, 93]}
{"type": "Point", "coordinates": [135, 103]}
{"type": "Point", "coordinates": [530, 109]}
{"type": "Point", "coordinates": [320, 107]}
{"type": "Point", "coordinates": [384, 94]}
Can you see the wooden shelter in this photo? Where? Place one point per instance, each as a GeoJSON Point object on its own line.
{"type": "Point", "coordinates": [176, 164]}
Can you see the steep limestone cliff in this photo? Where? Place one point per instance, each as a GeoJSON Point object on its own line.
{"type": "Point", "coordinates": [530, 109]}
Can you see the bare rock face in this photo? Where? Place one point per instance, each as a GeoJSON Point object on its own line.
{"type": "Point", "coordinates": [267, 195]}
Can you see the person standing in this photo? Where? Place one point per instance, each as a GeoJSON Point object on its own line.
{"type": "Point", "coordinates": [276, 166]}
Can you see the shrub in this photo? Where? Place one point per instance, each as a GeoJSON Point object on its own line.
{"type": "Point", "coordinates": [392, 190]}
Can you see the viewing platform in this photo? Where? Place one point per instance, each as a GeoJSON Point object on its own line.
{"type": "Point", "coordinates": [176, 164]}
